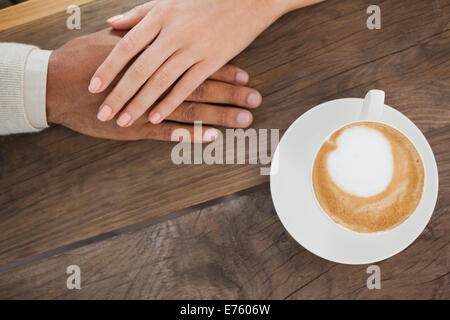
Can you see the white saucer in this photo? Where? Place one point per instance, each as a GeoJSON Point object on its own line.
{"type": "Point", "coordinates": [294, 201]}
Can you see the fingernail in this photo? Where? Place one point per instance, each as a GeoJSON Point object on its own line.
{"type": "Point", "coordinates": [253, 99]}
{"type": "Point", "coordinates": [155, 118]}
{"type": "Point", "coordinates": [243, 118]}
{"type": "Point", "coordinates": [104, 113]}
{"type": "Point", "coordinates": [115, 18]}
{"type": "Point", "coordinates": [124, 119]}
{"type": "Point", "coordinates": [210, 135]}
{"type": "Point", "coordinates": [95, 85]}
{"type": "Point", "coordinates": [242, 77]}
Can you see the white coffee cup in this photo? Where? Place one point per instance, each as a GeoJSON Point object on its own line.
{"type": "Point", "coordinates": [371, 111]}
{"type": "Point", "coordinates": [293, 194]}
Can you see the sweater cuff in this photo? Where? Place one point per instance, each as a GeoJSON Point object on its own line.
{"type": "Point", "coordinates": [23, 82]}
{"type": "Point", "coordinates": [35, 85]}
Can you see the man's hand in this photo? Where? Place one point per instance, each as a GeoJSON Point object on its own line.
{"type": "Point", "coordinates": [70, 104]}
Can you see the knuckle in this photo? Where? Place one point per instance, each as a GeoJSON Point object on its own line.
{"type": "Point", "coordinates": [107, 66]}
{"type": "Point", "coordinates": [140, 10]}
{"type": "Point", "coordinates": [157, 10]}
{"type": "Point", "coordinates": [171, 104]}
{"type": "Point", "coordinates": [237, 95]}
{"type": "Point", "coordinates": [227, 71]}
{"type": "Point", "coordinates": [162, 77]}
{"type": "Point", "coordinates": [168, 8]}
{"type": "Point", "coordinates": [116, 97]}
{"type": "Point", "coordinates": [224, 117]}
{"type": "Point", "coordinates": [190, 112]}
{"type": "Point", "coordinates": [199, 92]}
{"type": "Point", "coordinates": [128, 43]}
{"type": "Point", "coordinates": [136, 107]}
{"type": "Point", "coordinates": [184, 91]}
{"type": "Point", "coordinates": [166, 132]}
{"type": "Point", "coordinates": [139, 70]}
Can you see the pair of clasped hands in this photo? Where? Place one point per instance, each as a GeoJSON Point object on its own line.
{"type": "Point", "coordinates": [175, 47]}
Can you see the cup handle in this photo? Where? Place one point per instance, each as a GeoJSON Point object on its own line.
{"type": "Point", "coordinates": [373, 105]}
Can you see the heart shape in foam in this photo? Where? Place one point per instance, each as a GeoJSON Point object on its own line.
{"type": "Point", "coordinates": [362, 163]}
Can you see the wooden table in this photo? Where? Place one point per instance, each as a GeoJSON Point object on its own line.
{"type": "Point", "coordinates": [140, 227]}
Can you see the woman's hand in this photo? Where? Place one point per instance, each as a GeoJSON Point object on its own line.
{"type": "Point", "coordinates": [69, 104]}
{"type": "Point", "coordinates": [176, 38]}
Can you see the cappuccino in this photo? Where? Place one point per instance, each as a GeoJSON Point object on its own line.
{"type": "Point", "coordinates": [368, 177]}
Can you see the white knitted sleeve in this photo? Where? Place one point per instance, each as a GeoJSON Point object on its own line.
{"type": "Point", "coordinates": [15, 93]}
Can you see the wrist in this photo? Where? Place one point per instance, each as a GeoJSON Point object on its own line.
{"type": "Point", "coordinates": [273, 9]}
{"type": "Point", "coordinates": [284, 6]}
{"type": "Point", "coordinates": [263, 11]}
{"type": "Point", "coordinates": [52, 89]}
{"type": "Point", "coordinates": [280, 7]}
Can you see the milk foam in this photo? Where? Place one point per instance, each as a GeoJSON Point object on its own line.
{"type": "Point", "coordinates": [362, 164]}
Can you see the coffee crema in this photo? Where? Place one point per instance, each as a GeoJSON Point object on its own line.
{"type": "Point", "coordinates": [368, 177]}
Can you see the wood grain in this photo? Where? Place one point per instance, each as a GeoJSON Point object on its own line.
{"type": "Point", "coordinates": [33, 10]}
{"type": "Point", "coordinates": [5, 3]}
{"type": "Point", "coordinates": [237, 249]}
{"type": "Point", "coordinates": [59, 187]}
